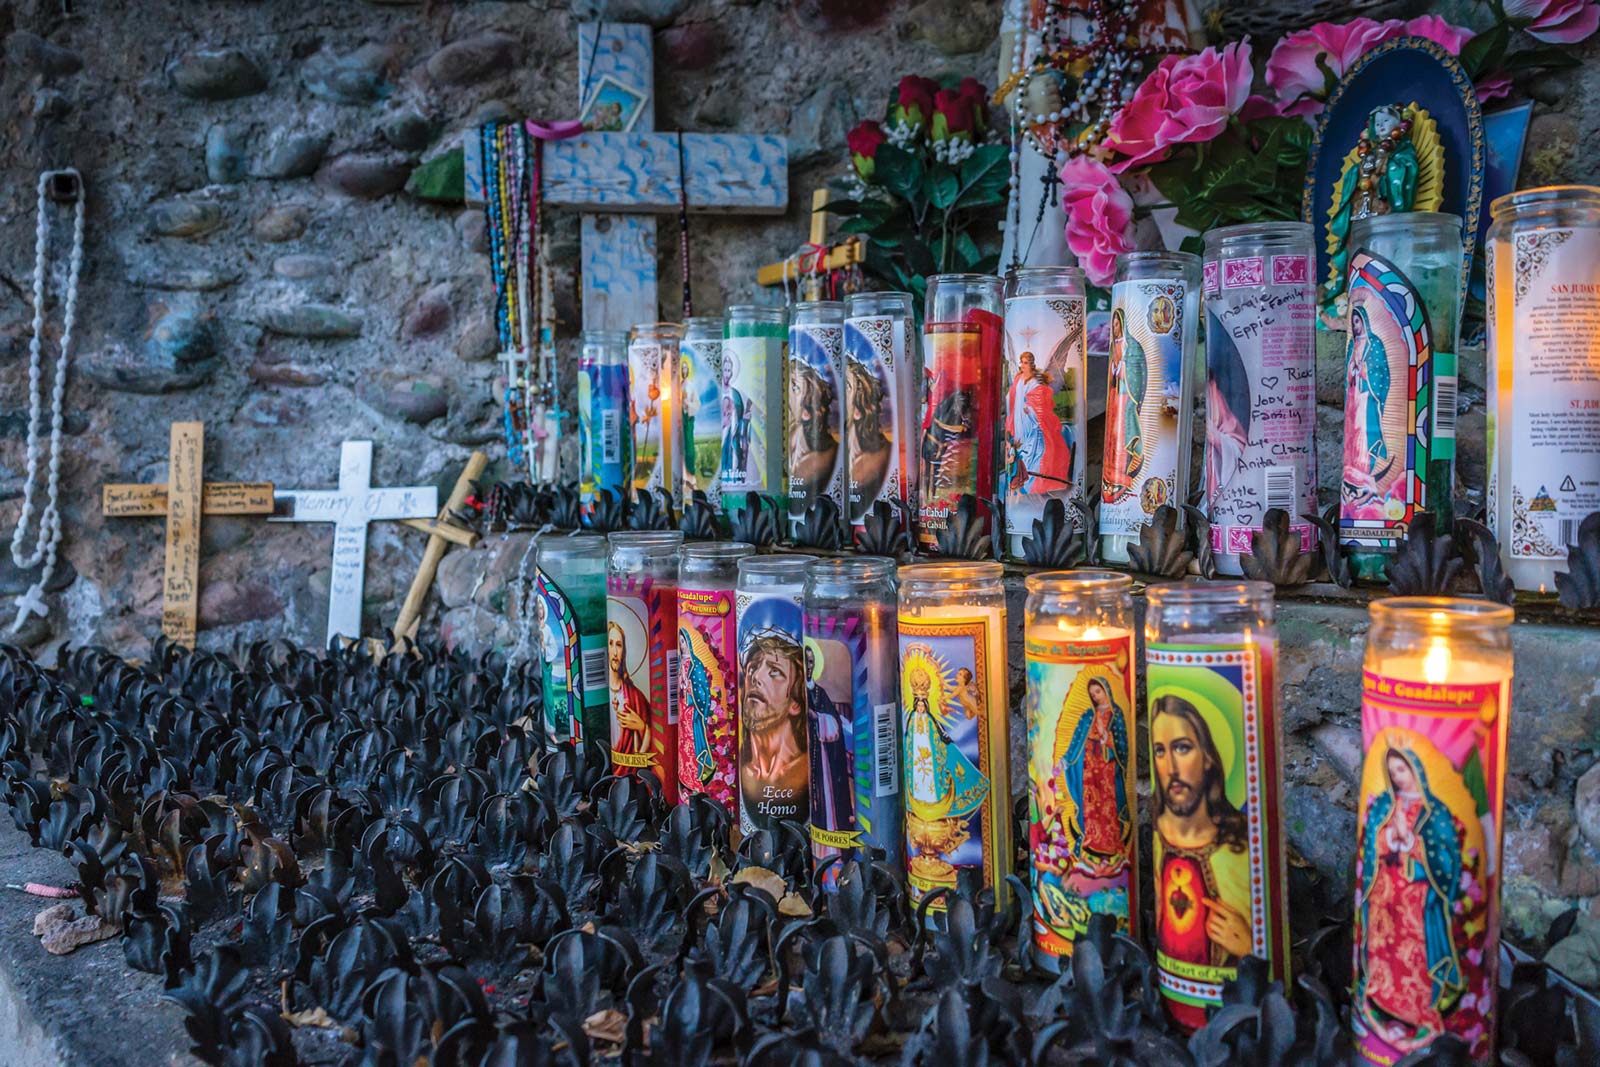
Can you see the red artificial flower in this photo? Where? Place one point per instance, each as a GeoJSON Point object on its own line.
{"type": "Point", "coordinates": [863, 142]}
{"type": "Point", "coordinates": [914, 100]}
{"type": "Point", "coordinates": [954, 117]}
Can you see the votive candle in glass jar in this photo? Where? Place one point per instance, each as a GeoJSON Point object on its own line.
{"type": "Point", "coordinates": [603, 407]}
{"type": "Point", "coordinates": [1080, 710]}
{"type": "Point", "coordinates": [1215, 762]}
{"type": "Point", "coordinates": [1544, 372]}
{"type": "Point", "coordinates": [656, 407]}
{"type": "Point", "coordinates": [954, 704]}
{"type": "Point", "coordinates": [754, 347]}
{"type": "Point", "coordinates": [960, 411]}
{"type": "Point", "coordinates": [570, 608]}
{"type": "Point", "coordinates": [642, 653]}
{"type": "Point", "coordinates": [700, 374]}
{"type": "Point", "coordinates": [708, 671]}
{"type": "Point", "coordinates": [882, 383]}
{"type": "Point", "coordinates": [774, 744]}
{"type": "Point", "coordinates": [1404, 308]}
{"type": "Point", "coordinates": [1046, 407]}
{"type": "Point", "coordinates": [852, 674]}
{"type": "Point", "coordinates": [1261, 384]}
{"type": "Point", "coordinates": [1155, 315]}
{"type": "Point", "coordinates": [814, 424]}
{"type": "Point", "coordinates": [1435, 705]}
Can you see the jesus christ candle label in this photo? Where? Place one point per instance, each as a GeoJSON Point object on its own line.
{"type": "Point", "coordinates": [1218, 857]}
{"type": "Point", "coordinates": [876, 446]}
{"type": "Point", "coordinates": [642, 661]}
{"type": "Point", "coordinates": [708, 716]}
{"type": "Point", "coordinates": [960, 411]}
{"type": "Point", "coordinates": [774, 748]}
{"type": "Point", "coordinates": [814, 427]}
{"type": "Point", "coordinates": [1046, 413]}
{"type": "Point", "coordinates": [1144, 403]}
{"type": "Point", "coordinates": [1080, 746]}
{"type": "Point", "coordinates": [1427, 878]}
{"type": "Point", "coordinates": [1260, 450]}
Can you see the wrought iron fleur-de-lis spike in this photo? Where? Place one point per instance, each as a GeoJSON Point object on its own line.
{"type": "Point", "coordinates": [699, 519]}
{"type": "Point", "coordinates": [652, 510]}
{"type": "Point", "coordinates": [1056, 541]}
{"type": "Point", "coordinates": [884, 530]}
{"type": "Point", "coordinates": [566, 512]}
{"type": "Point", "coordinates": [1162, 548]}
{"type": "Point", "coordinates": [1334, 562]}
{"type": "Point", "coordinates": [1481, 552]}
{"type": "Point", "coordinates": [821, 526]}
{"type": "Point", "coordinates": [610, 512]}
{"type": "Point", "coordinates": [756, 522]}
{"type": "Point", "coordinates": [1579, 585]}
{"type": "Point", "coordinates": [1199, 524]}
{"type": "Point", "coordinates": [1275, 552]}
{"type": "Point", "coordinates": [966, 533]}
{"type": "Point", "coordinates": [1427, 562]}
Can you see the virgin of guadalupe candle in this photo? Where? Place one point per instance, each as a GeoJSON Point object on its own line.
{"type": "Point", "coordinates": [642, 654]}
{"type": "Point", "coordinates": [708, 671]}
{"type": "Point", "coordinates": [570, 608]}
{"type": "Point", "coordinates": [1082, 830]}
{"type": "Point", "coordinates": [960, 423]}
{"type": "Point", "coordinates": [774, 744]}
{"type": "Point", "coordinates": [853, 711]}
{"type": "Point", "coordinates": [700, 368]}
{"type": "Point", "coordinates": [814, 422]}
{"type": "Point", "coordinates": [1155, 315]}
{"type": "Point", "coordinates": [1435, 704]}
{"type": "Point", "coordinates": [1215, 759]}
{"type": "Point", "coordinates": [654, 409]}
{"type": "Point", "coordinates": [954, 693]}
{"type": "Point", "coordinates": [1047, 414]}
{"type": "Point", "coordinates": [754, 351]}
{"type": "Point", "coordinates": [880, 391]}
{"type": "Point", "coordinates": [1261, 383]}
{"type": "Point", "coordinates": [1404, 301]}
{"type": "Point", "coordinates": [1544, 376]}
{"type": "Point", "coordinates": [603, 399]}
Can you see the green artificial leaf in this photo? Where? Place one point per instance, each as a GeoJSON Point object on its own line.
{"type": "Point", "coordinates": [967, 249]}
{"type": "Point", "coordinates": [859, 224]}
{"type": "Point", "coordinates": [877, 263]}
{"type": "Point", "coordinates": [843, 206]}
{"type": "Point", "coordinates": [898, 170]}
{"type": "Point", "coordinates": [918, 257]}
{"type": "Point", "coordinates": [987, 265]}
{"type": "Point", "coordinates": [1193, 244]}
{"type": "Point", "coordinates": [442, 179]}
{"type": "Point", "coordinates": [984, 177]}
{"type": "Point", "coordinates": [1487, 50]}
{"type": "Point", "coordinates": [1552, 57]}
{"type": "Point", "coordinates": [940, 186]}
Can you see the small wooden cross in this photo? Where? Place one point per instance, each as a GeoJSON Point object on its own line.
{"type": "Point", "coordinates": [182, 500]}
{"type": "Point", "coordinates": [440, 534]}
{"type": "Point", "coordinates": [350, 508]}
{"type": "Point", "coordinates": [811, 267]}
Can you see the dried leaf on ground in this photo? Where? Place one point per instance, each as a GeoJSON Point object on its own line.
{"type": "Point", "coordinates": [769, 882]}
{"type": "Point", "coordinates": [608, 1024]}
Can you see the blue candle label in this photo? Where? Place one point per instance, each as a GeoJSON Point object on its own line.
{"type": "Point", "coordinates": [700, 363]}
{"type": "Point", "coordinates": [611, 431]}
{"type": "Point", "coordinates": [774, 746]}
{"type": "Point", "coordinates": [1143, 392]}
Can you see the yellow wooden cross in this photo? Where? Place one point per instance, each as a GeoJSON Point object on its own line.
{"type": "Point", "coordinates": [182, 500]}
{"type": "Point", "coordinates": [811, 268]}
{"type": "Point", "coordinates": [442, 532]}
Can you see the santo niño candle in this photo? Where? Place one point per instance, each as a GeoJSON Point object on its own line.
{"type": "Point", "coordinates": [1435, 704]}
{"type": "Point", "coordinates": [1080, 711]}
{"type": "Point", "coordinates": [642, 654]}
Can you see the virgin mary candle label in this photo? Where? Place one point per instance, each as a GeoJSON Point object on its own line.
{"type": "Point", "coordinates": [1143, 391]}
{"type": "Point", "coordinates": [574, 664]}
{"type": "Point", "coordinates": [1549, 368]}
{"type": "Point", "coordinates": [814, 423]}
{"type": "Point", "coordinates": [708, 689]}
{"type": "Point", "coordinates": [700, 368]}
{"type": "Point", "coordinates": [1219, 880]}
{"type": "Point", "coordinates": [1046, 417]}
{"type": "Point", "coordinates": [1427, 877]}
{"type": "Point", "coordinates": [1080, 758]}
{"type": "Point", "coordinates": [774, 748]}
{"type": "Point", "coordinates": [875, 355]}
{"type": "Point", "coordinates": [960, 411]}
{"type": "Point", "coordinates": [1261, 401]}
{"type": "Point", "coordinates": [642, 668]}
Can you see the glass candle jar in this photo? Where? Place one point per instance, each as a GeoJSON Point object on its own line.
{"type": "Point", "coordinates": [642, 653]}
{"type": "Point", "coordinates": [852, 700]}
{"type": "Point", "coordinates": [1046, 408]}
{"type": "Point", "coordinates": [1215, 762]}
{"type": "Point", "coordinates": [700, 375]}
{"type": "Point", "coordinates": [754, 347]}
{"type": "Point", "coordinates": [960, 411]}
{"type": "Point", "coordinates": [708, 671]}
{"type": "Point", "coordinates": [882, 379]}
{"type": "Point", "coordinates": [1261, 383]}
{"type": "Point", "coordinates": [656, 407]}
{"type": "Point", "coordinates": [954, 697]}
{"type": "Point", "coordinates": [774, 744]}
{"type": "Point", "coordinates": [606, 433]}
{"type": "Point", "coordinates": [1544, 373]}
{"type": "Point", "coordinates": [1080, 711]}
{"type": "Point", "coordinates": [814, 424]}
{"type": "Point", "coordinates": [570, 608]}
{"type": "Point", "coordinates": [1435, 704]}
{"type": "Point", "coordinates": [1404, 301]}
{"type": "Point", "coordinates": [1155, 316]}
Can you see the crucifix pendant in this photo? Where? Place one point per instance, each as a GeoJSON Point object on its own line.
{"type": "Point", "coordinates": [30, 603]}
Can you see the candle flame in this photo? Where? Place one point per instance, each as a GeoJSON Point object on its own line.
{"type": "Point", "coordinates": [1436, 664]}
{"type": "Point", "coordinates": [1092, 634]}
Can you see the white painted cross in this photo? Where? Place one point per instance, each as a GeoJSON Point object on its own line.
{"type": "Point", "coordinates": [350, 507]}
{"type": "Point", "coordinates": [637, 172]}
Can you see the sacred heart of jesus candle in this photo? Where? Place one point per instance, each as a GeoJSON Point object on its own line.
{"type": "Point", "coordinates": [1080, 710]}
{"type": "Point", "coordinates": [954, 697]}
{"type": "Point", "coordinates": [606, 432]}
{"type": "Point", "coordinates": [853, 711]}
{"type": "Point", "coordinates": [708, 671]}
{"type": "Point", "coordinates": [1216, 802]}
{"type": "Point", "coordinates": [814, 421]}
{"type": "Point", "coordinates": [754, 344]}
{"type": "Point", "coordinates": [1261, 384]}
{"type": "Point", "coordinates": [642, 654]}
{"type": "Point", "coordinates": [774, 743]}
{"type": "Point", "coordinates": [960, 424]}
{"type": "Point", "coordinates": [1435, 704]}
{"type": "Point", "coordinates": [570, 609]}
{"type": "Point", "coordinates": [881, 383]}
{"type": "Point", "coordinates": [655, 407]}
{"type": "Point", "coordinates": [700, 371]}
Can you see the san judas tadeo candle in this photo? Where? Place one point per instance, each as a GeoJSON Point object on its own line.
{"type": "Point", "coordinates": [642, 654]}
{"type": "Point", "coordinates": [814, 419]}
{"type": "Point", "coordinates": [881, 389]}
{"type": "Point", "coordinates": [708, 672]}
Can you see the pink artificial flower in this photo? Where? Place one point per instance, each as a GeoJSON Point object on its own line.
{"type": "Point", "coordinates": [1555, 21]}
{"type": "Point", "coordinates": [1099, 217]}
{"type": "Point", "coordinates": [1496, 86]}
{"type": "Point", "coordinates": [1257, 106]}
{"type": "Point", "coordinates": [1186, 99]}
{"type": "Point", "coordinates": [1292, 69]}
{"type": "Point", "coordinates": [1440, 32]}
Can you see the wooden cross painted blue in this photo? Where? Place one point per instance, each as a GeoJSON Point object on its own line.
{"type": "Point", "coordinates": [620, 180]}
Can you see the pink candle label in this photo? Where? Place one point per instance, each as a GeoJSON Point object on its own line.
{"type": "Point", "coordinates": [1427, 905]}
{"type": "Point", "coordinates": [1219, 862]}
{"type": "Point", "coordinates": [642, 664]}
{"type": "Point", "coordinates": [1081, 796]}
{"type": "Point", "coordinates": [708, 695]}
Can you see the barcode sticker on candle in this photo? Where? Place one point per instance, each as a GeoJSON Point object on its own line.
{"type": "Point", "coordinates": [886, 749]}
{"type": "Point", "coordinates": [594, 669]}
{"type": "Point", "coordinates": [1444, 406]}
{"type": "Point", "coordinates": [1278, 490]}
{"type": "Point", "coordinates": [610, 437]}
{"type": "Point", "coordinates": [1567, 531]}
{"type": "Point", "coordinates": [672, 685]}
